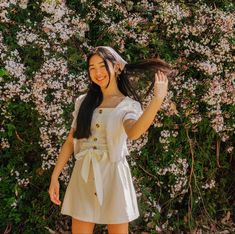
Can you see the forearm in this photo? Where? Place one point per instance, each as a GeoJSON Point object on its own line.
{"type": "Point", "coordinates": [146, 119]}
{"type": "Point", "coordinates": [64, 155]}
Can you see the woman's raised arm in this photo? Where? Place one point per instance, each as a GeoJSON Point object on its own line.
{"type": "Point", "coordinates": [135, 128]}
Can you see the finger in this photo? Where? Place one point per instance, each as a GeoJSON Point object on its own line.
{"type": "Point", "coordinates": [57, 194]}
{"type": "Point", "coordinates": [161, 76]}
{"type": "Point", "coordinates": [166, 80]}
{"type": "Point", "coordinates": [156, 77]}
{"type": "Point", "coordinates": [56, 202]}
{"type": "Point", "coordinates": [54, 198]}
{"type": "Point", "coordinates": [165, 77]}
{"type": "Point", "coordinates": [57, 198]}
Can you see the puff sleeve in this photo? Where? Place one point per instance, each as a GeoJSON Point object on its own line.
{"type": "Point", "coordinates": [76, 109]}
{"type": "Point", "coordinates": [134, 111]}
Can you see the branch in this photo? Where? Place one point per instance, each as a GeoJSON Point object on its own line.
{"type": "Point", "coordinates": [190, 206]}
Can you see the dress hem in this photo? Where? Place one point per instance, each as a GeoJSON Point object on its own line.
{"type": "Point", "coordinates": [131, 218]}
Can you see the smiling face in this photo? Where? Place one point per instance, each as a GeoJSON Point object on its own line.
{"type": "Point", "coordinates": [98, 72]}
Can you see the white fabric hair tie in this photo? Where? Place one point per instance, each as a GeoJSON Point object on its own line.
{"type": "Point", "coordinates": [119, 60]}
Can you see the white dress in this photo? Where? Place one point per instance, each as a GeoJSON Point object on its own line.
{"type": "Point", "coordinates": [99, 191]}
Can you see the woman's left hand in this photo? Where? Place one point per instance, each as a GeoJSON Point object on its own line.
{"type": "Point", "coordinates": [160, 85]}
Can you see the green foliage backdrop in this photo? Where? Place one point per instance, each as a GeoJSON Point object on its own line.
{"type": "Point", "coordinates": [183, 168]}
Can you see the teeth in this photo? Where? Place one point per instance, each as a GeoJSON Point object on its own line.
{"type": "Point", "coordinates": [99, 79]}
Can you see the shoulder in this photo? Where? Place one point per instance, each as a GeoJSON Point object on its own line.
{"type": "Point", "coordinates": [129, 105]}
{"type": "Point", "coordinates": [129, 100]}
{"type": "Point", "coordinates": [132, 102]}
{"type": "Point", "coordinates": [80, 98]}
{"type": "Point", "coordinates": [78, 101]}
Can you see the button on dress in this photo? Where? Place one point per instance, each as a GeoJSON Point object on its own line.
{"type": "Point", "coordinates": [99, 190]}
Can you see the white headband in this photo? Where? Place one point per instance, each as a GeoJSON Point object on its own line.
{"type": "Point", "coordinates": [119, 60]}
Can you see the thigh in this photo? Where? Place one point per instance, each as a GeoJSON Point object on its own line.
{"type": "Point", "coordinates": [81, 227]}
{"type": "Point", "coordinates": [121, 228]}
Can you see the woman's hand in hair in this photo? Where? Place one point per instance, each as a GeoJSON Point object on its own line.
{"type": "Point", "coordinates": [160, 85]}
{"type": "Point", "coordinates": [135, 128]}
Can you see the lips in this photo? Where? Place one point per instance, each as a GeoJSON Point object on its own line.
{"type": "Point", "coordinates": [100, 79]}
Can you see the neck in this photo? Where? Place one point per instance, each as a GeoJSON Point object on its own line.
{"type": "Point", "coordinates": [112, 90]}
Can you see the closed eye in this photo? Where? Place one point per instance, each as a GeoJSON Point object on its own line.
{"type": "Point", "coordinates": [93, 68]}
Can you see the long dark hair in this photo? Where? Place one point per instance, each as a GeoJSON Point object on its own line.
{"type": "Point", "coordinates": [94, 96]}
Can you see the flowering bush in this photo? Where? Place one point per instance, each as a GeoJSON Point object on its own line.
{"type": "Point", "coordinates": [183, 168]}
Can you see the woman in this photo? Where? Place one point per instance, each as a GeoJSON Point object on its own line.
{"type": "Point", "coordinates": [101, 189]}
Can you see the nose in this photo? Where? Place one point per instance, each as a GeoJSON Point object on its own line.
{"type": "Point", "coordinates": [98, 72]}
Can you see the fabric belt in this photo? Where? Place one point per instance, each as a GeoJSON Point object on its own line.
{"type": "Point", "coordinates": [93, 156]}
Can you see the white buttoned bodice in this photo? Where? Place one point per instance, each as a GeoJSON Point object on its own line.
{"type": "Point", "coordinates": [98, 139]}
{"type": "Point", "coordinates": [94, 149]}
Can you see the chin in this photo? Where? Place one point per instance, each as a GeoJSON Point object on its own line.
{"type": "Point", "coordinates": [102, 84]}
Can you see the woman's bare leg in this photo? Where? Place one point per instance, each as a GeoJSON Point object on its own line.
{"type": "Point", "coordinates": [121, 228]}
{"type": "Point", "coordinates": [81, 227]}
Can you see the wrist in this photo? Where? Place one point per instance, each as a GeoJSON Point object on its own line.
{"type": "Point", "coordinates": [54, 177]}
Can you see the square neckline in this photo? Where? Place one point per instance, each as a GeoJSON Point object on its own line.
{"type": "Point", "coordinates": [113, 107]}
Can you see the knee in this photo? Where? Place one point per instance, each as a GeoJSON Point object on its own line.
{"type": "Point", "coordinates": [81, 227]}
{"type": "Point", "coordinates": [118, 228]}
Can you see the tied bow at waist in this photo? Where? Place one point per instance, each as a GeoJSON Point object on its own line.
{"type": "Point", "coordinates": [93, 156]}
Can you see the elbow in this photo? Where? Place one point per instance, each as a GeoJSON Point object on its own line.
{"type": "Point", "coordinates": [133, 137]}
{"type": "Point", "coordinates": [132, 132]}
